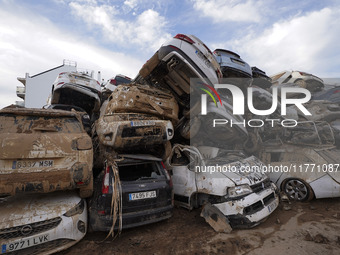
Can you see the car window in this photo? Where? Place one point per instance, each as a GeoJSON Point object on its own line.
{"type": "Point", "coordinates": [121, 80]}
{"type": "Point", "coordinates": [10, 123]}
{"type": "Point", "coordinates": [140, 171]}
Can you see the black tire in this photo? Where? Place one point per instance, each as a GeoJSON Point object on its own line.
{"type": "Point", "coordinates": [297, 189]}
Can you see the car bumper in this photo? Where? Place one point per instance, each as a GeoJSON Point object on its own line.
{"type": "Point", "coordinates": [130, 220]}
{"type": "Point", "coordinates": [64, 235]}
{"type": "Point", "coordinates": [250, 210]}
{"type": "Point", "coordinates": [124, 134]}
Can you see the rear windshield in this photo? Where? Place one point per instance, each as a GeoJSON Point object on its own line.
{"type": "Point", "coordinates": [141, 171]}
{"type": "Point", "coordinates": [10, 123]}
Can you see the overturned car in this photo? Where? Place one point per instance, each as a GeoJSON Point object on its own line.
{"type": "Point", "coordinates": [176, 62]}
{"type": "Point", "coordinates": [79, 89]}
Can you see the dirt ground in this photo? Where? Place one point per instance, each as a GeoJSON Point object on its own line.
{"type": "Point", "coordinates": [294, 228]}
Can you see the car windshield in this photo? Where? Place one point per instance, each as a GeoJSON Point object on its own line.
{"type": "Point", "coordinates": [139, 171]}
{"type": "Point", "coordinates": [10, 123]}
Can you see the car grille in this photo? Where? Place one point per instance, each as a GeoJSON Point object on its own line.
{"type": "Point", "coordinates": [141, 131]}
{"type": "Point", "coordinates": [29, 229]}
{"type": "Point", "coordinates": [259, 205]}
{"type": "Point", "coordinates": [261, 186]}
{"type": "Point", "coordinates": [41, 248]}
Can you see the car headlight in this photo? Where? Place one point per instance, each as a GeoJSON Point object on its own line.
{"type": "Point", "coordinates": [238, 191]}
{"type": "Point", "coordinates": [78, 209]}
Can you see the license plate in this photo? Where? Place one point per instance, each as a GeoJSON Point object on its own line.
{"type": "Point", "coordinates": [17, 164]}
{"type": "Point", "coordinates": [272, 206]}
{"type": "Point", "coordinates": [142, 195]}
{"type": "Point", "coordinates": [14, 246]}
{"type": "Point", "coordinates": [142, 123]}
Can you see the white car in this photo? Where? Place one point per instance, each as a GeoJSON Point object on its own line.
{"type": "Point", "coordinates": [302, 79]}
{"type": "Point", "coordinates": [177, 61]}
{"type": "Point", "coordinates": [303, 162]}
{"type": "Point", "coordinates": [246, 197]}
{"type": "Point", "coordinates": [79, 89]}
{"type": "Point", "coordinates": [41, 223]}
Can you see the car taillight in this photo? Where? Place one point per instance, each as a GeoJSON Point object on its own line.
{"type": "Point", "coordinates": [106, 181]}
{"type": "Point", "coordinates": [168, 177]}
{"type": "Point", "coordinates": [113, 81]}
{"type": "Point", "coordinates": [82, 143]}
{"type": "Point", "coordinates": [60, 83]}
{"type": "Point", "coordinates": [336, 91]}
{"type": "Point", "coordinates": [304, 74]}
{"type": "Point", "coordinates": [184, 38]}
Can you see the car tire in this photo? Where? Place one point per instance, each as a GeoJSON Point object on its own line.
{"type": "Point", "coordinates": [297, 189]}
{"type": "Point", "coordinates": [87, 191]}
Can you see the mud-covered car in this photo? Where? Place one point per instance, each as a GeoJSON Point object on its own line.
{"type": "Point", "coordinates": [41, 223]}
{"type": "Point", "coordinates": [302, 79]}
{"type": "Point", "coordinates": [137, 118]}
{"type": "Point", "coordinates": [44, 150]}
{"type": "Point", "coordinates": [177, 61]}
{"type": "Point", "coordinates": [229, 181]}
{"type": "Point", "coordinates": [146, 190]}
{"type": "Point", "coordinates": [84, 115]}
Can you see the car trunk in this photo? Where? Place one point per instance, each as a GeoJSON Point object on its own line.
{"type": "Point", "coordinates": [37, 153]}
{"type": "Point", "coordinates": [144, 187]}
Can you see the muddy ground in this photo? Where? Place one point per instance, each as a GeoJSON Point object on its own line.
{"type": "Point", "coordinates": [295, 228]}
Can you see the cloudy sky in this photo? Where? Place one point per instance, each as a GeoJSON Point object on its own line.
{"type": "Point", "coordinates": [117, 37]}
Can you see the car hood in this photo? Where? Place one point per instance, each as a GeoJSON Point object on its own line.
{"type": "Point", "coordinates": [245, 171]}
{"type": "Point", "coordinates": [25, 209]}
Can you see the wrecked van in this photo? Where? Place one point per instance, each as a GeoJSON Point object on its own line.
{"type": "Point", "coordinates": [146, 193]}
{"type": "Point", "coordinates": [244, 195]}
{"type": "Point", "coordinates": [44, 151]}
{"type": "Point", "coordinates": [79, 89]}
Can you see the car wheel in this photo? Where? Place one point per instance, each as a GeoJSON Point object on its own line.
{"type": "Point", "coordinates": [301, 83]}
{"type": "Point", "coordinates": [297, 190]}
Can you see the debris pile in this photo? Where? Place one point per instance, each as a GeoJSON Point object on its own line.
{"type": "Point", "coordinates": [201, 128]}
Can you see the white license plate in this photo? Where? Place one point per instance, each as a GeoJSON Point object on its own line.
{"type": "Point", "coordinates": [142, 123]}
{"type": "Point", "coordinates": [17, 164]}
{"type": "Point", "coordinates": [272, 206]}
{"type": "Point", "coordinates": [14, 246]}
{"type": "Point", "coordinates": [142, 195]}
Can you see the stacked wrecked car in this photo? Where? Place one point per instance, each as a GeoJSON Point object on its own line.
{"type": "Point", "coordinates": [140, 146]}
